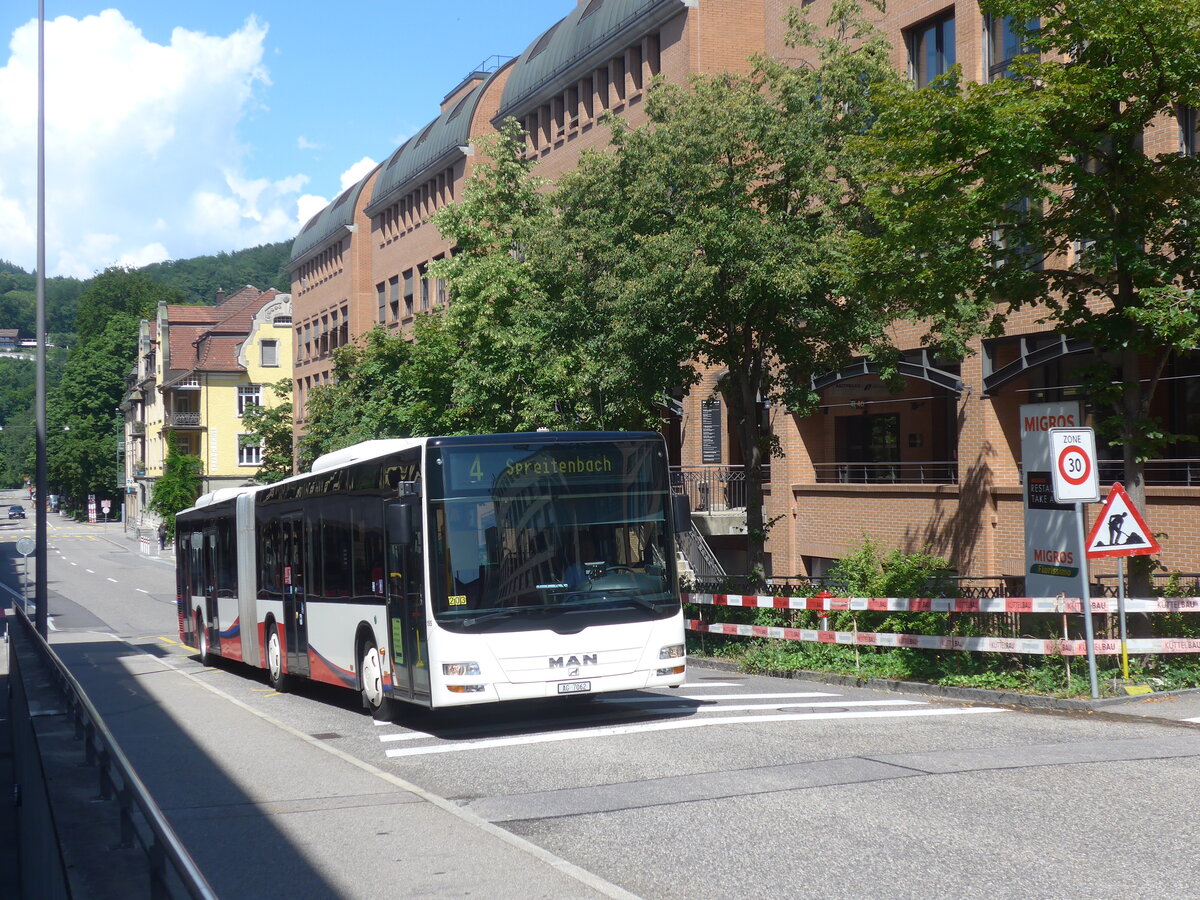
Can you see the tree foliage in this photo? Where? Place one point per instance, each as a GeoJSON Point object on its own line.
{"type": "Point", "coordinates": [83, 419]}
{"type": "Point", "coordinates": [178, 487]}
{"type": "Point", "coordinates": [385, 386]}
{"type": "Point", "coordinates": [200, 277]}
{"type": "Point", "coordinates": [727, 222]}
{"type": "Point", "coordinates": [271, 428]}
{"type": "Point", "coordinates": [1037, 190]}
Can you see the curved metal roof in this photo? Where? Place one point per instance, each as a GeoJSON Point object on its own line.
{"type": "Point", "coordinates": [337, 215]}
{"type": "Point", "coordinates": [572, 40]}
{"type": "Point", "coordinates": [449, 130]}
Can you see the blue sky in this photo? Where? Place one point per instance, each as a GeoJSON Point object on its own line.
{"type": "Point", "coordinates": [180, 129]}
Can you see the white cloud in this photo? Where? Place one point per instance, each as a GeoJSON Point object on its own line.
{"type": "Point", "coordinates": [303, 143]}
{"type": "Point", "coordinates": [309, 205]}
{"type": "Point", "coordinates": [357, 172]}
{"type": "Point", "coordinates": [143, 158]}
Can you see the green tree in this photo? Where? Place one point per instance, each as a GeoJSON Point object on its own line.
{"type": "Point", "coordinates": [83, 419]}
{"type": "Point", "coordinates": [385, 386]}
{"type": "Point", "coordinates": [271, 428]}
{"type": "Point", "coordinates": [178, 487]}
{"type": "Point", "coordinates": [730, 215]}
{"type": "Point", "coordinates": [535, 342]}
{"type": "Point", "coordinates": [1036, 190]}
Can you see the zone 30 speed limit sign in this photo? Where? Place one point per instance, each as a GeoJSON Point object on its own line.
{"type": "Point", "coordinates": [1073, 465]}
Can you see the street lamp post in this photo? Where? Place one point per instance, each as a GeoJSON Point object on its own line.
{"type": "Point", "coordinates": [39, 509]}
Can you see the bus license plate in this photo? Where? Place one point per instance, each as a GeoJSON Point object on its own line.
{"type": "Point", "coordinates": [574, 687]}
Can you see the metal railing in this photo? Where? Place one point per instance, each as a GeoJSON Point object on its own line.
{"type": "Point", "coordinates": [173, 872]}
{"type": "Point", "coordinates": [925, 472]}
{"type": "Point", "coordinates": [711, 488]}
{"type": "Point", "coordinates": [1185, 472]}
{"type": "Point", "coordinates": [183, 418]}
{"type": "Point", "coordinates": [700, 558]}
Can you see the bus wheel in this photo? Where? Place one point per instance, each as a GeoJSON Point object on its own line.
{"type": "Point", "coordinates": [370, 673]}
{"type": "Point", "coordinates": [202, 642]}
{"type": "Point", "coordinates": [275, 673]}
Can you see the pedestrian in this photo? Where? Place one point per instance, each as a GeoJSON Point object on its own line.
{"type": "Point", "coordinates": [162, 535]}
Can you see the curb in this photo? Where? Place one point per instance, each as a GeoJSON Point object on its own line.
{"type": "Point", "coordinates": [1012, 699]}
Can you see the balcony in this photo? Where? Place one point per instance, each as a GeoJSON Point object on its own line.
{"type": "Point", "coordinates": [925, 472]}
{"type": "Point", "coordinates": [184, 420]}
{"type": "Point", "coordinates": [712, 488]}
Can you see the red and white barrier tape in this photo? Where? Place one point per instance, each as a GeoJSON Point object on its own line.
{"type": "Point", "coordinates": [949, 604]}
{"type": "Point", "coordinates": [1136, 646]}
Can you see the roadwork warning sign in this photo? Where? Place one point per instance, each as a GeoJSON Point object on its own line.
{"type": "Point", "coordinates": [1120, 529]}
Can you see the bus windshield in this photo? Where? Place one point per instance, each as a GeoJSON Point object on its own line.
{"type": "Point", "coordinates": [527, 533]}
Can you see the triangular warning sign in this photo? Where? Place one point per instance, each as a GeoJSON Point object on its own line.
{"type": "Point", "coordinates": [1120, 529]}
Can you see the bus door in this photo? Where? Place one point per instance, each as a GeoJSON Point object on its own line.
{"type": "Point", "coordinates": [406, 599]}
{"type": "Point", "coordinates": [211, 623]}
{"type": "Point", "coordinates": [295, 622]}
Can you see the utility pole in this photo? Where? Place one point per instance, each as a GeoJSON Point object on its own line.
{"type": "Point", "coordinates": [39, 508]}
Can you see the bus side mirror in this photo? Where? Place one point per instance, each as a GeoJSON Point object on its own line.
{"type": "Point", "coordinates": [400, 523]}
{"type": "Point", "coordinates": [681, 512]}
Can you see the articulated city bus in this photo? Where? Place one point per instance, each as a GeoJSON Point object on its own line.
{"type": "Point", "coordinates": [446, 571]}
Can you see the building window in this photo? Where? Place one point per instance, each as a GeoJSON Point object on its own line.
{"type": "Point", "coordinates": [1003, 45]}
{"type": "Point", "coordinates": [381, 295]}
{"type": "Point", "coordinates": [408, 293]}
{"type": "Point", "coordinates": [248, 395]}
{"type": "Point", "coordinates": [394, 296]}
{"type": "Point", "coordinates": [1189, 137]}
{"type": "Point", "coordinates": [249, 450]}
{"type": "Point", "coordinates": [424, 287]}
{"type": "Point", "coordinates": [270, 353]}
{"type": "Point", "coordinates": [931, 49]}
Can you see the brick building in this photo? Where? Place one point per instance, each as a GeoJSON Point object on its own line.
{"type": "Point", "coordinates": [937, 466]}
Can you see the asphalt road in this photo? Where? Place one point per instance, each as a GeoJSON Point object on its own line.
{"type": "Point", "coordinates": [733, 786]}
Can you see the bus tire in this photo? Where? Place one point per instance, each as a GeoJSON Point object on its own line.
{"type": "Point", "coordinates": [206, 656]}
{"type": "Point", "coordinates": [370, 679]}
{"type": "Point", "coordinates": [274, 653]}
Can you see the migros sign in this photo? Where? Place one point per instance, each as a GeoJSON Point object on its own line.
{"type": "Point", "coordinates": [1030, 424]}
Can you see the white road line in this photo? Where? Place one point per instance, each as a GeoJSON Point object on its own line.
{"type": "Point", "coordinates": [685, 723]}
{"type": "Point", "coordinates": [691, 685]}
{"type": "Point", "coordinates": [142, 590]}
{"type": "Point", "coordinates": [406, 736]}
{"type": "Point", "coordinates": [1193, 719]}
{"type": "Point", "coordinates": [114, 581]}
{"type": "Point", "coordinates": [660, 697]}
{"type": "Point", "coordinates": [830, 704]}
{"type": "Point", "coordinates": [90, 571]}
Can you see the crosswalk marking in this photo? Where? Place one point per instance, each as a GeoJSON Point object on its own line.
{"type": "Point", "coordinates": [677, 724]}
{"type": "Point", "coordinates": [660, 712]}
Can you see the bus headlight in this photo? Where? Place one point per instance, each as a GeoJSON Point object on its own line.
{"type": "Point", "coordinates": [460, 670]}
{"type": "Point", "coordinates": [671, 651]}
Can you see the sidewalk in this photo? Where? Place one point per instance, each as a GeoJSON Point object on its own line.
{"type": "Point", "coordinates": [10, 859]}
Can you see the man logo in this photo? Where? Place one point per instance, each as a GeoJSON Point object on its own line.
{"type": "Point", "coordinates": [588, 659]}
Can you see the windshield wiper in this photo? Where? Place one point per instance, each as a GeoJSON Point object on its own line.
{"type": "Point", "coordinates": [505, 613]}
{"type": "Point", "coordinates": [626, 593]}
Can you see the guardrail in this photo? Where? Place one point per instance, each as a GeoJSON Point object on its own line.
{"type": "Point", "coordinates": [824, 604]}
{"type": "Point", "coordinates": [172, 872]}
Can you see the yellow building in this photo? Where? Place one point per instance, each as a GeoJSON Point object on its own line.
{"type": "Point", "coordinates": [199, 368]}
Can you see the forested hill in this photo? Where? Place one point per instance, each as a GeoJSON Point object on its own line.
{"type": "Point", "coordinates": [201, 277]}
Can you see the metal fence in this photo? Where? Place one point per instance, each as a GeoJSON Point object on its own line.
{"type": "Point", "coordinates": [925, 472]}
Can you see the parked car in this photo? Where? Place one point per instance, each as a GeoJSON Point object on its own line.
{"type": "Point", "coordinates": [16, 512]}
